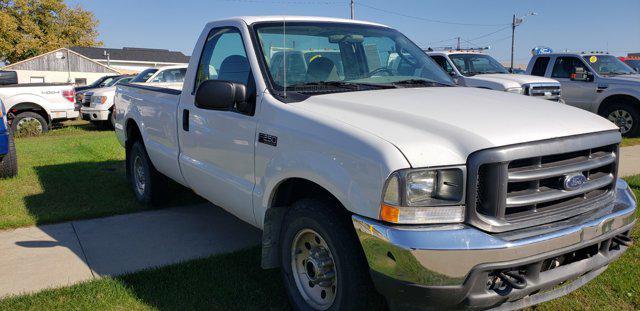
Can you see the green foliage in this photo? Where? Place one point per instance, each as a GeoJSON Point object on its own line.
{"type": "Point", "coordinates": [32, 27]}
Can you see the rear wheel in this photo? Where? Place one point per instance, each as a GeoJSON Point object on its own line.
{"type": "Point", "coordinates": [625, 116]}
{"type": "Point", "coordinates": [29, 124]}
{"type": "Point", "coordinates": [322, 262]}
{"type": "Point", "coordinates": [149, 185]}
{"type": "Point", "coordinates": [9, 163]}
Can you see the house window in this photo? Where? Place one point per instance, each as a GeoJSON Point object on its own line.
{"type": "Point", "coordinates": [36, 79]}
{"type": "Point", "coordinates": [81, 81]}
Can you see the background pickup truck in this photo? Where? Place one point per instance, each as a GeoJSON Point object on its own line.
{"type": "Point", "coordinates": [97, 104]}
{"type": "Point", "coordinates": [32, 107]}
{"type": "Point", "coordinates": [370, 174]}
{"type": "Point", "coordinates": [595, 82]}
{"type": "Point", "coordinates": [474, 69]}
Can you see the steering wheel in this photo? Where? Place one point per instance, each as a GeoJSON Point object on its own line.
{"type": "Point", "coordinates": [380, 70]}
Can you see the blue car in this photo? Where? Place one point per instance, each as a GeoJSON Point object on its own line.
{"type": "Point", "coordinates": [8, 161]}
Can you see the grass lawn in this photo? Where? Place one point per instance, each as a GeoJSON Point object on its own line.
{"type": "Point", "coordinates": [71, 173]}
{"type": "Point", "coordinates": [236, 282]}
{"type": "Point", "coordinates": [626, 142]}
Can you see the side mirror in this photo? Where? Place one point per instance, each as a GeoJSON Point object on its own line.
{"type": "Point", "coordinates": [581, 75]}
{"type": "Point", "coordinates": [220, 95]}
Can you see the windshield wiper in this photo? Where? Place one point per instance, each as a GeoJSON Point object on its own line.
{"type": "Point", "coordinates": [410, 82]}
{"type": "Point", "coordinates": [310, 86]}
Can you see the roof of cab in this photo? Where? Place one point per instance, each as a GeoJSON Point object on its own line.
{"type": "Point", "coordinates": [293, 18]}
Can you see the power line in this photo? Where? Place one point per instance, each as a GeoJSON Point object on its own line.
{"type": "Point", "coordinates": [287, 1]}
{"type": "Point", "coordinates": [426, 19]}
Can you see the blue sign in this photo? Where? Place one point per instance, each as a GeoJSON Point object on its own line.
{"type": "Point", "coordinates": [538, 50]}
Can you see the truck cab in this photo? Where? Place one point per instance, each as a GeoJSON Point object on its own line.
{"type": "Point", "coordinates": [471, 68]}
{"type": "Point", "coordinates": [596, 82]}
{"type": "Point", "coordinates": [370, 173]}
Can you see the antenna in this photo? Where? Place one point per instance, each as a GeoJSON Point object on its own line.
{"type": "Point", "coordinates": [284, 52]}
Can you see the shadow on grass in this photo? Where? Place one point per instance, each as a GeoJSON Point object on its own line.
{"type": "Point", "coordinates": [91, 189]}
{"type": "Point", "coordinates": [225, 282]}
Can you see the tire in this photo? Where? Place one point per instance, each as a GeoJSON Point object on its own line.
{"type": "Point", "coordinates": [9, 163]}
{"type": "Point", "coordinates": [112, 120]}
{"type": "Point", "coordinates": [626, 116]}
{"type": "Point", "coordinates": [149, 185]}
{"type": "Point", "coordinates": [29, 124]}
{"type": "Point", "coordinates": [353, 289]}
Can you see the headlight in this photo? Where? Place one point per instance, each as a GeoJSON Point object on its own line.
{"type": "Point", "coordinates": [99, 99]}
{"type": "Point", "coordinates": [516, 90]}
{"type": "Point", "coordinates": [424, 196]}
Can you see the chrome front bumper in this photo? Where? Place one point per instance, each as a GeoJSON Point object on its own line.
{"type": "Point", "coordinates": [452, 259]}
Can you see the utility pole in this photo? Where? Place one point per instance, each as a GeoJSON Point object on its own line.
{"type": "Point", "coordinates": [513, 40]}
{"type": "Point", "coordinates": [515, 23]}
{"type": "Point", "coordinates": [353, 9]}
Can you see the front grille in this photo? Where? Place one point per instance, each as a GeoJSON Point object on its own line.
{"type": "Point", "coordinates": [549, 91]}
{"type": "Point", "coordinates": [87, 99]}
{"type": "Point", "coordinates": [524, 185]}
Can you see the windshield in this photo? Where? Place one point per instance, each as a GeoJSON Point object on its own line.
{"type": "Point", "coordinates": [473, 64]}
{"type": "Point", "coordinates": [633, 63]}
{"type": "Point", "coordinates": [108, 81]}
{"type": "Point", "coordinates": [144, 76]}
{"type": "Point", "coordinates": [113, 81]}
{"type": "Point", "coordinates": [607, 65]}
{"type": "Point", "coordinates": [334, 55]}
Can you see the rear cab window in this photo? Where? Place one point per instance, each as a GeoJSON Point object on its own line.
{"type": "Point", "coordinates": [540, 66]}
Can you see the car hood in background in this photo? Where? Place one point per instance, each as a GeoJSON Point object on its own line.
{"type": "Point", "coordinates": [509, 77]}
{"type": "Point", "coordinates": [105, 91]}
{"type": "Point", "coordinates": [443, 125]}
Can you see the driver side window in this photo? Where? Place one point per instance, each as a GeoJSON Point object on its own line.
{"type": "Point", "coordinates": [224, 58]}
{"type": "Point", "coordinates": [564, 67]}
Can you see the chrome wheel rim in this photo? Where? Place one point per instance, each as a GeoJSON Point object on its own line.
{"type": "Point", "coordinates": [139, 175]}
{"type": "Point", "coordinates": [622, 119]}
{"type": "Point", "coordinates": [25, 124]}
{"type": "Point", "coordinates": [313, 269]}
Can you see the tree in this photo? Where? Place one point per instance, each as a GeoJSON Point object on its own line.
{"type": "Point", "coordinates": [32, 27]}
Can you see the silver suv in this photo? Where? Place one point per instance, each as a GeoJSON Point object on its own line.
{"type": "Point", "coordinates": [597, 82]}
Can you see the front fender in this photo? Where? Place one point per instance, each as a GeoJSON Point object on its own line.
{"type": "Point", "coordinates": [349, 163]}
{"type": "Point", "coordinates": [613, 91]}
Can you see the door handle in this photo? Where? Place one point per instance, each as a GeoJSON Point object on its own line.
{"type": "Point", "coordinates": [185, 120]}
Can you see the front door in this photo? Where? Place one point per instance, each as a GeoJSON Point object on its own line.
{"type": "Point", "coordinates": [217, 147]}
{"type": "Point", "coordinates": [581, 94]}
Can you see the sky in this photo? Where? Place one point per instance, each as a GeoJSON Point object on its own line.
{"type": "Point", "coordinates": [574, 25]}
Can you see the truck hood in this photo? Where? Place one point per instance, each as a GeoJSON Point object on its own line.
{"type": "Point", "coordinates": [443, 125]}
{"type": "Point", "coordinates": [506, 78]}
{"type": "Point", "coordinates": [105, 91]}
{"type": "Point", "coordinates": [633, 80]}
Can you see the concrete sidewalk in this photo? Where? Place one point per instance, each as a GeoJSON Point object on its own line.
{"type": "Point", "coordinates": [35, 258]}
{"type": "Point", "coordinates": [629, 161]}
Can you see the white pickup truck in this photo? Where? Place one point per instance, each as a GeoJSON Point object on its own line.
{"type": "Point", "coordinates": [32, 107]}
{"type": "Point", "coordinates": [370, 173]}
{"type": "Point", "coordinates": [475, 69]}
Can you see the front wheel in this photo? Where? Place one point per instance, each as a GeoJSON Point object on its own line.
{"type": "Point", "coordinates": [625, 116]}
{"type": "Point", "coordinates": [323, 265]}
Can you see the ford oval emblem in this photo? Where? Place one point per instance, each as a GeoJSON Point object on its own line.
{"type": "Point", "coordinates": [574, 181]}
